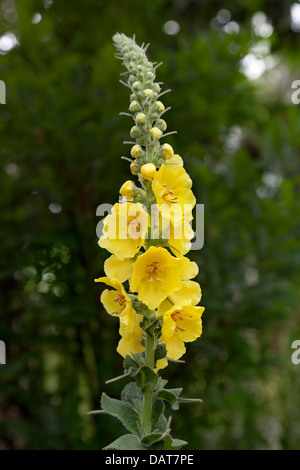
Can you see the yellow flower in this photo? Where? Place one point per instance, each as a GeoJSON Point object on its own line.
{"type": "Point", "coordinates": [189, 291]}
{"type": "Point", "coordinates": [181, 324]}
{"type": "Point", "coordinates": [125, 230]}
{"type": "Point", "coordinates": [117, 302]}
{"type": "Point", "coordinates": [148, 171]}
{"type": "Point", "coordinates": [157, 273]}
{"type": "Point", "coordinates": [178, 236]}
{"type": "Point", "coordinates": [118, 269]}
{"type": "Point", "coordinates": [172, 188]}
{"type": "Point", "coordinates": [130, 343]}
{"type": "Point", "coordinates": [175, 160]}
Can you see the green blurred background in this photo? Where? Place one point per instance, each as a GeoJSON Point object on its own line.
{"type": "Point", "coordinates": [230, 66]}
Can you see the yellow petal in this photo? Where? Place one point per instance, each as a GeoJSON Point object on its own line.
{"type": "Point", "coordinates": [119, 269]}
{"type": "Point", "coordinates": [190, 290]}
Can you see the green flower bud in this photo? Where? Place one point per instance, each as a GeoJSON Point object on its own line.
{"type": "Point", "coordinates": [148, 93]}
{"type": "Point", "coordinates": [156, 87]}
{"type": "Point", "coordinates": [135, 107]}
{"type": "Point", "coordinates": [132, 79]}
{"type": "Point", "coordinates": [136, 86]}
{"type": "Point", "coordinates": [159, 107]}
{"type": "Point", "coordinates": [161, 124]}
{"type": "Point", "coordinates": [149, 75]}
{"type": "Point", "coordinates": [135, 132]}
{"type": "Point", "coordinates": [135, 167]}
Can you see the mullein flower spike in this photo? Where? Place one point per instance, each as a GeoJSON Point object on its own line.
{"type": "Point", "coordinates": [148, 234]}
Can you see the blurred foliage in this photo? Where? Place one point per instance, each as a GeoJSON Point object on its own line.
{"type": "Point", "coordinates": [61, 142]}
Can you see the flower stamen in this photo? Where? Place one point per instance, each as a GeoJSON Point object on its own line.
{"type": "Point", "coordinates": [120, 299]}
{"type": "Point", "coordinates": [152, 271]}
{"type": "Point", "coordinates": [167, 196]}
{"type": "Point", "coordinates": [176, 317]}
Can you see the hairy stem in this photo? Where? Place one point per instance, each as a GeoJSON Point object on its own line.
{"type": "Point", "coordinates": [148, 393]}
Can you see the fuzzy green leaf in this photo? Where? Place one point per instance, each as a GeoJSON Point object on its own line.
{"type": "Point", "coordinates": [160, 351]}
{"type": "Point", "coordinates": [173, 444]}
{"type": "Point", "coordinates": [126, 442]}
{"type": "Point", "coordinates": [158, 408]}
{"type": "Point", "coordinates": [177, 391]}
{"type": "Point", "coordinates": [154, 437]}
{"type": "Point", "coordinates": [123, 411]}
{"type": "Point", "coordinates": [130, 363]}
{"type": "Point", "coordinates": [170, 397]}
{"type": "Point", "coordinates": [145, 376]}
{"type": "Point", "coordinates": [131, 393]}
{"type": "Point", "coordinates": [161, 424]}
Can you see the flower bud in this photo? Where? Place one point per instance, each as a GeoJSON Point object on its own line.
{"type": "Point", "coordinates": [131, 79]}
{"type": "Point", "coordinates": [127, 190]}
{"type": "Point", "coordinates": [156, 87]}
{"type": "Point", "coordinates": [161, 124]}
{"type": "Point", "coordinates": [137, 151]}
{"type": "Point", "coordinates": [135, 107]}
{"type": "Point", "coordinates": [148, 171]}
{"type": "Point", "coordinates": [167, 151]}
{"type": "Point", "coordinates": [135, 132]}
{"type": "Point", "coordinates": [159, 107]}
{"type": "Point", "coordinates": [155, 133]}
{"type": "Point", "coordinates": [133, 97]}
{"type": "Point", "coordinates": [134, 168]}
{"type": "Point", "coordinates": [136, 86]}
{"type": "Point", "coordinates": [149, 75]}
{"type": "Point", "coordinates": [148, 93]}
{"type": "Point", "coordinates": [140, 118]}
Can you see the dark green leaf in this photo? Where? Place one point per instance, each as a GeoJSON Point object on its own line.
{"type": "Point", "coordinates": [170, 397]}
{"type": "Point", "coordinates": [160, 351]}
{"type": "Point", "coordinates": [126, 442]}
{"type": "Point", "coordinates": [173, 444]}
{"type": "Point", "coordinates": [124, 412]}
{"type": "Point", "coordinates": [145, 376]}
{"type": "Point", "coordinates": [158, 408]}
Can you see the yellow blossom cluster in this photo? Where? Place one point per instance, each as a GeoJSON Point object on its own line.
{"type": "Point", "coordinates": [148, 232]}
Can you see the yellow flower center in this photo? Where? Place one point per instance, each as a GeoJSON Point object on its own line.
{"type": "Point", "coordinates": [120, 299]}
{"type": "Point", "coordinates": [152, 270]}
{"type": "Point", "coordinates": [167, 196]}
{"type": "Point", "coordinates": [176, 316]}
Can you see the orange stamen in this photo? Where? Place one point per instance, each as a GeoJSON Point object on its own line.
{"type": "Point", "coordinates": [152, 271]}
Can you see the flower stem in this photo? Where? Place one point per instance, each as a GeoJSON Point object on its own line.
{"type": "Point", "coordinates": [148, 393]}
